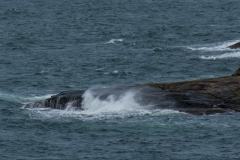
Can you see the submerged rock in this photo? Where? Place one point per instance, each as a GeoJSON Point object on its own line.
{"type": "Point", "coordinates": [234, 46]}
{"type": "Point", "coordinates": [207, 96]}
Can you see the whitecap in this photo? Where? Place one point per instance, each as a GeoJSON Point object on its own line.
{"type": "Point", "coordinates": [116, 71]}
{"type": "Point", "coordinates": [114, 40]}
{"type": "Point", "coordinates": [223, 46]}
{"type": "Point", "coordinates": [222, 56]}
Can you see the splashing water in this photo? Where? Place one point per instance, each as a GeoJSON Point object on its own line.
{"type": "Point", "coordinates": [113, 103]}
{"type": "Point", "coordinates": [96, 105]}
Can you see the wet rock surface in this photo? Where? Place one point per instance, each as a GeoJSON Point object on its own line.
{"type": "Point", "coordinates": [207, 96]}
{"type": "Point", "coordinates": [235, 46]}
{"type": "Point", "coordinates": [60, 101]}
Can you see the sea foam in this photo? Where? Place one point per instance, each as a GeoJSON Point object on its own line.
{"type": "Point", "coordinates": [125, 102]}
{"type": "Point", "coordinates": [97, 105]}
{"type": "Point", "coordinates": [222, 46]}
{"type": "Point", "coordinates": [222, 56]}
{"type": "Point", "coordinates": [114, 40]}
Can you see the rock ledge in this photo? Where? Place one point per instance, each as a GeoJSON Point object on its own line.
{"type": "Point", "coordinates": [207, 96]}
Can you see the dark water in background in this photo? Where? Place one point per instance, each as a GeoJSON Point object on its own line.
{"type": "Point", "coordinates": [52, 46]}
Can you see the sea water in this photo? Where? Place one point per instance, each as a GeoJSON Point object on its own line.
{"type": "Point", "coordinates": [51, 46]}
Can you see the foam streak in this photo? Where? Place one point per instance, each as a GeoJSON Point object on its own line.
{"type": "Point", "coordinates": [222, 56]}
{"type": "Point", "coordinates": [114, 40]}
{"type": "Point", "coordinates": [215, 47]}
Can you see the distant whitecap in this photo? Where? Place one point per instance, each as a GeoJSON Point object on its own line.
{"type": "Point", "coordinates": [214, 47]}
{"type": "Point", "coordinates": [114, 40]}
{"type": "Point", "coordinates": [222, 56]}
{"type": "Point", "coordinates": [116, 71]}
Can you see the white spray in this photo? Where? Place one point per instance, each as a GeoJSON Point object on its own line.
{"type": "Point", "coordinates": [93, 104]}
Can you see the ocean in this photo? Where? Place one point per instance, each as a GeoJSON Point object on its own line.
{"type": "Point", "coordinates": [47, 47]}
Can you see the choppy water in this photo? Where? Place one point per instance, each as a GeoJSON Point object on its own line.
{"type": "Point", "coordinates": [52, 46]}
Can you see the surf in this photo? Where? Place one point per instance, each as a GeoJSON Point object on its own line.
{"type": "Point", "coordinates": [221, 56]}
{"type": "Point", "coordinates": [213, 47]}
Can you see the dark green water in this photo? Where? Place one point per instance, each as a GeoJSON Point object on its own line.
{"type": "Point", "coordinates": [52, 46]}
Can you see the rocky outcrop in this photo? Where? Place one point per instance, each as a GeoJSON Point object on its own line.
{"type": "Point", "coordinates": [234, 46]}
{"type": "Point", "coordinates": [207, 96]}
{"type": "Point", "coordinates": [60, 101]}
{"type": "Point", "coordinates": [237, 72]}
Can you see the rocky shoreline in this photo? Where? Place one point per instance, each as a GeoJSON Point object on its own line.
{"type": "Point", "coordinates": [234, 46]}
{"type": "Point", "coordinates": [207, 96]}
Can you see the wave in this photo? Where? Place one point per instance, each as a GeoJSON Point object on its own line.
{"type": "Point", "coordinates": [113, 103]}
{"type": "Point", "coordinates": [222, 46]}
{"type": "Point", "coordinates": [10, 98]}
{"type": "Point", "coordinates": [222, 56]}
{"type": "Point", "coordinates": [114, 40]}
{"type": "Point", "coordinates": [38, 98]}
{"type": "Point", "coordinates": [69, 115]}
{"type": "Point", "coordinates": [96, 106]}
{"type": "Point", "coordinates": [20, 99]}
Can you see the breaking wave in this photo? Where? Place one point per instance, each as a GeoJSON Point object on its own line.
{"type": "Point", "coordinates": [222, 56]}
{"type": "Point", "coordinates": [113, 103]}
{"type": "Point", "coordinates": [222, 46]}
{"type": "Point", "coordinates": [20, 99]}
{"type": "Point", "coordinates": [95, 107]}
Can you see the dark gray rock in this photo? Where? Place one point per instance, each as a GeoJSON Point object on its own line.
{"type": "Point", "coordinates": [60, 101]}
{"type": "Point", "coordinates": [237, 72]}
{"type": "Point", "coordinates": [235, 46]}
{"type": "Point", "coordinates": [207, 96]}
